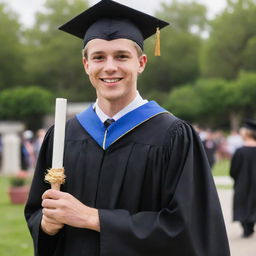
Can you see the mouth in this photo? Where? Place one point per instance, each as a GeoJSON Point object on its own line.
{"type": "Point", "coordinates": [110, 80]}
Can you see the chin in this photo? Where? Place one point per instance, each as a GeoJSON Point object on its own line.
{"type": "Point", "coordinates": [114, 95]}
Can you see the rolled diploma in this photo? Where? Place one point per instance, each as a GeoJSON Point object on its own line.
{"type": "Point", "coordinates": [59, 136]}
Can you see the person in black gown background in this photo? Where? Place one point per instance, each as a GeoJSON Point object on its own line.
{"type": "Point", "coordinates": [210, 147]}
{"type": "Point", "coordinates": [243, 171]}
{"type": "Point", "coordinates": [138, 182]}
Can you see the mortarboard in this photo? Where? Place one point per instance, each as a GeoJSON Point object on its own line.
{"type": "Point", "coordinates": [250, 124]}
{"type": "Point", "coordinates": [110, 20]}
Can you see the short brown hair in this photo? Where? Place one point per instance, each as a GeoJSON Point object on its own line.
{"type": "Point", "coordinates": [245, 132]}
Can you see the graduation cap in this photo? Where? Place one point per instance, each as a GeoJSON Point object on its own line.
{"type": "Point", "coordinates": [250, 124]}
{"type": "Point", "coordinates": [110, 20]}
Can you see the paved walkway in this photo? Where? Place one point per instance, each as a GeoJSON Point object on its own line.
{"type": "Point", "coordinates": [239, 246]}
{"type": "Point", "coordinates": [223, 180]}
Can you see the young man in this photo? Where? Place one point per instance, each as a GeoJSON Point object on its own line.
{"type": "Point", "coordinates": [138, 182]}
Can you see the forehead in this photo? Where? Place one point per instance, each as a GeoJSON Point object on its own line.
{"type": "Point", "coordinates": [101, 45]}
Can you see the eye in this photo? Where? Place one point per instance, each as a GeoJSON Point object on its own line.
{"type": "Point", "coordinates": [122, 56]}
{"type": "Point", "coordinates": [98, 57]}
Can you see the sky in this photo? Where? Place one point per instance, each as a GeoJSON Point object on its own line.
{"type": "Point", "coordinates": [27, 8]}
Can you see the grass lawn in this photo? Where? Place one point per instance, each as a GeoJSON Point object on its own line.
{"type": "Point", "coordinates": [221, 168]}
{"type": "Point", "coordinates": [14, 235]}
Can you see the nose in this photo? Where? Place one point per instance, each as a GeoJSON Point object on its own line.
{"type": "Point", "coordinates": [110, 65]}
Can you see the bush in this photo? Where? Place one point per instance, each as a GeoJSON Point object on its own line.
{"type": "Point", "coordinates": [17, 182]}
{"type": "Point", "coordinates": [27, 104]}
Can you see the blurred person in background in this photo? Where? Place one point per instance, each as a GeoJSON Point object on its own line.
{"type": "Point", "coordinates": [243, 171]}
{"type": "Point", "coordinates": [38, 140]}
{"type": "Point", "coordinates": [234, 141]}
{"type": "Point", "coordinates": [210, 147]}
{"type": "Point", "coordinates": [27, 151]}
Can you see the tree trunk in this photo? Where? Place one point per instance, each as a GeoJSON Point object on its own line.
{"type": "Point", "coordinates": [235, 120]}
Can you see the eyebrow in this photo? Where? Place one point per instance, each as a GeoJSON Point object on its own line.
{"type": "Point", "coordinates": [116, 52]}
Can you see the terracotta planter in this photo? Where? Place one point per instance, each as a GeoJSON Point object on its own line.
{"type": "Point", "coordinates": [18, 195]}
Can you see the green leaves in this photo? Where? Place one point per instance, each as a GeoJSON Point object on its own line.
{"type": "Point", "coordinates": [214, 101]}
{"type": "Point", "coordinates": [21, 103]}
{"type": "Point", "coordinates": [231, 45]}
{"type": "Point", "coordinates": [180, 48]}
{"type": "Point", "coordinates": [11, 50]}
{"type": "Point", "coordinates": [54, 59]}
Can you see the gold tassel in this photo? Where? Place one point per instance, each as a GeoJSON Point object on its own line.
{"type": "Point", "coordinates": [157, 47]}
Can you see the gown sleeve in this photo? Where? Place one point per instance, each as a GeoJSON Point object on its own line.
{"type": "Point", "coordinates": [190, 221]}
{"type": "Point", "coordinates": [43, 243]}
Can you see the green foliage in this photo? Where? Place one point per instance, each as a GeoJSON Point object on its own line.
{"type": "Point", "coordinates": [183, 102]}
{"type": "Point", "coordinates": [22, 102]}
{"type": "Point", "coordinates": [215, 102]}
{"type": "Point", "coordinates": [195, 102]}
{"type": "Point", "coordinates": [26, 104]}
{"type": "Point", "coordinates": [232, 42]}
{"type": "Point", "coordinates": [17, 181]}
{"type": "Point", "coordinates": [213, 96]}
{"type": "Point", "coordinates": [54, 57]}
{"type": "Point", "coordinates": [11, 50]}
{"type": "Point", "coordinates": [180, 48]}
{"type": "Point", "coordinates": [184, 16]}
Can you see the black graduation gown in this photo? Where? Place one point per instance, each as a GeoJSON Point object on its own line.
{"type": "Point", "coordinates": [210, 148]}
{"type": "Point", "coordinates": [153, 189]}
{"type": "Point", "coordinates": [243, 171]}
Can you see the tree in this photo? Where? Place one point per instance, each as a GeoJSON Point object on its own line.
{"type": "Point", "coordinates": [180, 48]}
{"type": "Point", "coordinates": [11, 50]}
{"type": "Point", "coordinates": [232, 42]}
{"type": "Point", "coordinates": [215, 102]}
{"type": "Point", "coordinates": [54, 57]}
{"type": "Point", "coordinates": [201, 102]}
{"type": "Point", "coordinates": [184, 102]}
{"type": "Point", "coordinates": [239, 100]}
{"type": "Point", "coordinates": [27, 104]}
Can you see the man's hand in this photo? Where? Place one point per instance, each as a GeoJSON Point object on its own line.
{"type": "Point", "coordinates": [50, 226]}
{"type": "Point", "coordinates": [61, 208]}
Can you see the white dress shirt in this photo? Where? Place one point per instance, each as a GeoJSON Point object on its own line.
{"type": "Point", "coordinates": [137, 102]}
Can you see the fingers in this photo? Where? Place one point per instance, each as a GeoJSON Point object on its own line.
{"type": "Point", "coordinates": [49, 226]}
{"type": "Point", "coordinates": [49, 203]}
{"type": "Point", "coordinates": [50, 213]}
{"type": "Point", "coordinates": [54, 204]}
{"type": "Point", "coordinates": [52, 221]}
{"type": "Point", "coordinates": [53, 194]}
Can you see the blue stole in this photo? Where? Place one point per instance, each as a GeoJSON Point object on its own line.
{"type": "Point", "coordinates": [105, 137]}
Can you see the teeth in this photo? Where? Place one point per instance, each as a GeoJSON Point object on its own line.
{"type": "Point", "coordinates": [111, 80]}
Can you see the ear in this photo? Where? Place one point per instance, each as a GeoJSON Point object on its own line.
{"type": "Point", "coordinates": [85, 64]}
{"type": "Point", "coordinates": [142, 63]}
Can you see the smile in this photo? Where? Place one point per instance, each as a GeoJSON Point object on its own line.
{"type": "Point", "coordinates": [113, 80]}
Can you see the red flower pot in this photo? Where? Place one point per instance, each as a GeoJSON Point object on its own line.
{"type": "Point", "coordinates": [18, 195]}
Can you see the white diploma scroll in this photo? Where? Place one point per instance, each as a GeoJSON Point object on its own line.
{"type": "Point", "coordinates": [55, 176]}
{"type": "Point", "coordinates": [59, 133]}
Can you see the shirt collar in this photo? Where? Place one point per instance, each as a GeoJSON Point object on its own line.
{"type": "Point", "coordinates": [137, 102]}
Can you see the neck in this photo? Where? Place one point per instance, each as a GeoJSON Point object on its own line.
{"type": "Point", "coordinates": [112, 107]}
{"type": "Point", "coordinates": [250, 143]}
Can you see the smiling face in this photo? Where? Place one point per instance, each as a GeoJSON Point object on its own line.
{"type": "Point", "coordinates": [113, 68]}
